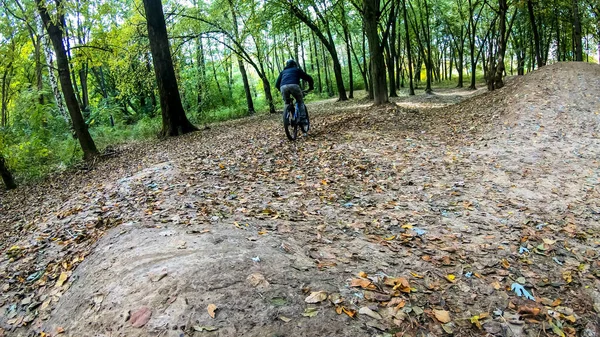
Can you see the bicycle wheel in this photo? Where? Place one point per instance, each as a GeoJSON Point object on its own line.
{"type": "Point", "coordinates": [305, 127]}
{"type": "Point", "coordinates": [289, 124]}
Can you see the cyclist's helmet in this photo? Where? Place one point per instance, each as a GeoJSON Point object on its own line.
{"type": "Point", "coordinates": [290, 64]}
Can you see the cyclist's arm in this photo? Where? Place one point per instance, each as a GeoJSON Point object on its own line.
{"type": "Point", "coordinates": [309, 79]}
{"type": "Point", "coordinates": [278, 83]}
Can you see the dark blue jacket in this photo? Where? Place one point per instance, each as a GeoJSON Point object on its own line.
{"type": "Point", "coordinates": [292, 75]}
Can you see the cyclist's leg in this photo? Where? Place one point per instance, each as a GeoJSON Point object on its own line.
{"type": "Point", "coordinates": [285, 94]}
{"type": "Point", "coordinates": [296, 91]}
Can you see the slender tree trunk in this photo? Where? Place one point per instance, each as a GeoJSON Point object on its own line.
{"type": "Point", "coordinates": [348, 50]}
{"type": "Point", "coordinates": [318, 65]}
{"type": "Point", "coordinates": [536, 35]}
{"type": "Point", "coordinates": [371, 13]}
{"type": "Point", "coordinates": [577, 32]}
{"type": "Point", "coordinates": [60, 103]}
{"type": "Point", "coordinates": [174, 119]}
{"type": "Point", "coordinates": [326, 70]}
{"type": "Point", "coordinates": [55, 32]}
{"type": "Point", "coordinates": [411, 87]}
{"type": "Point", "coordinates": [7, 177]}
{"type": "Point", "coordinates": [241, 63]}
{"type": "Point", "coordinates": [328, 44]}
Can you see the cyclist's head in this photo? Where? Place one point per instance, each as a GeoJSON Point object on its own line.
{"type": "Point", "coordinates": [290, 64]}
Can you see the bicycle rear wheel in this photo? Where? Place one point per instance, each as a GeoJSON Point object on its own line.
{"type": "Point", "coordinates": [289, 123]}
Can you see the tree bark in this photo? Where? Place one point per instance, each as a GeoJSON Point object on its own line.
{"type": "Point", "coordinates": [371, 15]}
{"type": "Point", "coordinates": [7, 177]}
{"type": "Point", "coordinates": [411, 87]}
{"type": "Point", "coordinates": [503, 37]}
{"type": "Point", "coordinates": [55, 31]}
{"type": "Point", "coordinates": [348, 50]}
{"type": "Point", "coordinates": [249, 100]}
{"type": "Point", "coordinates": [327, 43]}
{"type": "Point", "coordinates": [174, 119]}
{"type": "Point", "coordinates": [577, 32]}
{"type": "Point", "coordinates": [536, 35]}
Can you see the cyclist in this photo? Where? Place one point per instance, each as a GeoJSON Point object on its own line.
{"type": "Point", "coordinates": [288, 83]}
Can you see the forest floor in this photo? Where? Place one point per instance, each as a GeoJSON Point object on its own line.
{"type": "Point", "coordinates": [418, 218]}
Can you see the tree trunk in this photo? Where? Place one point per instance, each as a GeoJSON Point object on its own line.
{"type": "Point", "coordinates": [536, 35]}
{"type": "Point", "coordinates": [326, 70]}
{"type": "Point", "coordinates": [372, 13]}
{"type": "Point", "coordinates": [348, 50]}
{"type": "Point", "coordinates": [9, 182]}
{"type": "Point", "coordinates": [498, 81]}
{"type": "Point", "coordinates": [241, 63]}
{"type": "Point", "coordinates": [60, 104]}
{"type": "Point", "coordinates": [328, 44]}
{"type": "Point", "coordinates": [411, 87]}
{"type": "Point", "coordinates": [174, 119]}
{"type": "Point", "coordinates": [320, 90]}
{"type": "Point", "coordinates": [577, 32]}
{"type": "Point", "coordinates": [55, 31]}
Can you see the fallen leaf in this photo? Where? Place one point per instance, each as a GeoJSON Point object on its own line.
{"type": "Point", "coordinates": [211, 310]}
{"type": "Point", "coordinates": [567, 276]}
{"type": "Point", "coordinates": [316, 297]}
{"type": "Point", "coordinates": [335, 298]}
{"type": "Point", "coordinates": [257, 280]}
{"type": "Point", "coordinates": [369, 312]}
{"type": "Point", "coordinates": [365, 284]}
{"type": "Point", "coordinates": [310, 312]}
{"type": "Point", "coordinates": [363, 274]}
{"type": "Point", "coordinates": [62, 278]}
{"type": "Point", "coordinates": [451, 278]}
{"type": "Point", "coordinates": [285, 319]}
{"type": "Point", "coordinates": [204, 328]}
{"type": "Point", "coordinates": [139, 318]}
{"type": "Point", "coordinates": [349, 312]}
{"type": "Point", "coordinates": [60, 330]}
{"type": "Point", "coordinates": [529, 310]}
{"type": "Point", "coordinates": [442, 315]}
{"type": "Point", "coordinates": [475, 320]}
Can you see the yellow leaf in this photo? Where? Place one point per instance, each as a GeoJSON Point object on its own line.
{"type": "Point", "coordinates": [262, 232]}
{"type": "Point", "coordinates": [451, 278]}
{"type": "Point", "coordinates": [211, 310]}
{"type": "Point", "coordinates": [339, 309]}
{"type": "Point", "coordinates": [390, 238]}
{"type": "Point", "coordinates": [407, 226]}
{"type": "Point", "coordinates": [567, 276]}
{"type": "Point", "coordinates": [416, 275]}
{"type": "Point", "coordinates": [61, 279]}
{"type": "Point", "coordinates": [475, 320]}
{"type": "Point", "coordinates": [363, 274]}
{"type": "Point", "coordinates": [571, 318]}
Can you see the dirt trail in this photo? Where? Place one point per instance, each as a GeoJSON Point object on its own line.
{"type": "Point", "coordinates": [462, 202]}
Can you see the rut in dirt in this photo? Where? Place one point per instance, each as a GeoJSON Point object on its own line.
{"type": "Point", "coordinates": [400, 218]}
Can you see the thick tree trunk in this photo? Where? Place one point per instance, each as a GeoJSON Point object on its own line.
{"type": "Point", "coordinates": [55, 32]}
{"type": "Point", "coordinates": [174, 119]}
{"type": "Point", "coordinates": [498, 81]}
{"type": "Point", "coordinates": [371, 12]}
{"type": "Point", "coordinates": [7, 177]}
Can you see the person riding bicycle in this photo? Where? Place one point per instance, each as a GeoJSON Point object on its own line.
{"type": "Point", "coordinates": [288, 83]}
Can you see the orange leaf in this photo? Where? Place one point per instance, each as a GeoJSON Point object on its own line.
{"type": "Point", "coordinates": [339, 309]}
{"type": "Point", "coordinates": [365, 284]}
{"type": "Point", "coordinates": [362, 274]}
{"type": "Point", "coordinates": [349, 312]}
{"type": "Point", "coordinates": [211, 310]}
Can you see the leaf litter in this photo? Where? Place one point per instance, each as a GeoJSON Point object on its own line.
{"type": "Point", "coordinates": [502, 187]}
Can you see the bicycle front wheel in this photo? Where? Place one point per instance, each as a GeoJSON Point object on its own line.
{"type": "Point", "coordinates": [289, 124]}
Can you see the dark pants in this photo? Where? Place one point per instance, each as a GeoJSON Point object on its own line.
{"type": "Point", "coordinates": [294, 90]}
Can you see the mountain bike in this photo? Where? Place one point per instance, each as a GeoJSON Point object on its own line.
{"type": "Point", "coordinates": [291, 121]}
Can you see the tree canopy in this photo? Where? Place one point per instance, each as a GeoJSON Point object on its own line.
{"type": "Point", "coordinates": [76, 76]}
